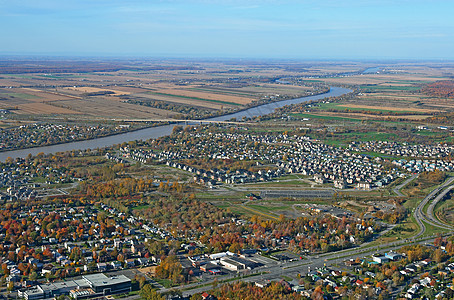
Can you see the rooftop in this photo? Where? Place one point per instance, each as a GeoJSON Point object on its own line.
{"type": "Point", "coordinates": [101, 279]}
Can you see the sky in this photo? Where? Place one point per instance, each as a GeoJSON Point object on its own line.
{"type": "Point", "coordinates": [287, 29]}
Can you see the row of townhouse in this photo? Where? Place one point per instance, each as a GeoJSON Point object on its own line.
{"type": "Point", "coordinates": [403, 149]}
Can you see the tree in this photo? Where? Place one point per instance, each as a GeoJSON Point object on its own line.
{"type": "Point", "coordinates": [142, 281]}
{"type": "Point", "coordinates": [33, 276]}
{"type": "Point", "coordinates": [317, 293]}
{"type": "Point", "coordinates": [429, 293]}
{"type": "Point", "coordinates": [170, 268]}
{"type": "Point", "coordinates": [148, 293]}
{"type": "Point", "coordinates": [10, 286]}
{"type": "Point", "coordinates": [438, 255]}
{"type": "Point", "coordinates": [235, 247]}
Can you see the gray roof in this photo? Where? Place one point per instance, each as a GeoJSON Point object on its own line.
{"type": "Point", "coordinates": [34, 292]}
{"type": "Point", "coordinates": [100, 279]}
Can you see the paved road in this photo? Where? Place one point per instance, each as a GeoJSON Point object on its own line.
{"type": "Point", "coordinates": [431, 207]}
{"type": "Point", "coordinates": [397, 189]}
{"type": "Point", "coordinates": [291, 269]}
{"type": "Point", "coordinates": [420, 216]}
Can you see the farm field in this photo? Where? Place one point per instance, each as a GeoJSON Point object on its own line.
{"type": "Point", "coordinates": [85, 89]}
{"type": "Point", "coordinates": [28, 101]}
{"type": "Point", "coordinates": [111, 90]}
{"type": "Point", "coordinates": [104, 107]}
{"type": "Point", "coordinates": [377, 108]}
{"type": "Point", "coordinates": [154, 89]}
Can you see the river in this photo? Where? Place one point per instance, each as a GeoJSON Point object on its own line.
{"type": "Point", "coordinates": [373, 70]}
{"type": "Point", "coordinates": [159, 131]}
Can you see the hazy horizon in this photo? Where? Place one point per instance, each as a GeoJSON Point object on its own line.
{"type": "Point", "coordinates": [230, 29]}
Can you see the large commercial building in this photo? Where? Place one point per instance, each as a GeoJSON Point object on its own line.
{"type": "Point", "coordinates": [89, 286]}
{"type": "Point", "coordinates": [100, 283]}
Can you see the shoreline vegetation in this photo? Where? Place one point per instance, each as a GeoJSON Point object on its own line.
{"type": "Point", "coordinates": [157, 124]}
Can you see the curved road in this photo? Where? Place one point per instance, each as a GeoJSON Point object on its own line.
{"type": "Point", "coordinates": [397, 189]}
{"type": "Point", "coordinates": [291, 269]}
{"type": "Point", "coordinates": [431, 207]}
{"type": "Point", "coordinates": [420, 216]}
{"type": "Point", "coordinates": [160, 131]}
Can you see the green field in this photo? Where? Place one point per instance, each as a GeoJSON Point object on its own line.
{"type": "Point", "coordinates": [19, 76]}
{"type": "Point", "coordinates": [389, 88]}
{"type": "Point", "coordinates": [301, 115]}
{"type": "Point", "coordinates": [269, 208]}
{"type": "Point", "coordinates": [367, 136]}
{"type": "Point", "coordinates": [23, 96]}
{"type": "Point", "coordinates": [338, 106]}
{"type": "Point", "coordinates": [280, 183]}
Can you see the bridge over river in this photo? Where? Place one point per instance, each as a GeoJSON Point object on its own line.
{"type": "Point", "coordinates": [164, 130]}
{"type": "Point", "coordinates": [186, 122]}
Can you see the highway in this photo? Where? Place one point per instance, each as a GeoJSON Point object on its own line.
{"type": "Point", "coordinates": [431, 207]}
{"type": "Point", "coordinates": [276, 270]}
{"type": "Point", "coordinates": [291, 269]}
{"type": "Point", "coordinates": [421, 217]}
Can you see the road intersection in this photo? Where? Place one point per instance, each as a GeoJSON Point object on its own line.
{"type": "Point", "coordinates": [306, 264]}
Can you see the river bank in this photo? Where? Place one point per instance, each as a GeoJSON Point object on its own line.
{"type": "Point", "coordinates": [159, 131]}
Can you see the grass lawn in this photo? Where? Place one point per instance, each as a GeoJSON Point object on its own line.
{"type": "Point", "coordinates": [280, 183]}
{"type": "Point", "coordinates": [367, 136]}
{"type": "Point", "coordinates": [301, 115]}
{"type": "Point", "coordinates": [445, 204]}
{"type": "Point", "coordinates": [165, 282]}
{"type": "Point", "coordinates": [269, 208]}
{"type": "Point", "coordinates": [432, 230]}
{"type": "Point", "coordinates": [141, 207]}
{"type": "Point", "coordinates": [258, 212]}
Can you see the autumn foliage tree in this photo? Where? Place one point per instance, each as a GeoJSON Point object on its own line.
{"type": "Point", "coordinates": [170, 268]}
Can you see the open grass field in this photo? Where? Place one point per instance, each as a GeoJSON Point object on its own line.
{"type": "Point", "coordinates": [377, 108]}
{"type": "Point", "coordinates": [394, 87]}
{"type": "Point", "coordinates": [326, 117]}
{"type": "Point", "coordinates": [387, 108]}
{"type": "Point", "coordinates": [378, 101]}
{"type": "Point", "coordinates": [22, 96]}
{"type": "Point", "coordinates": [364, 116]}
